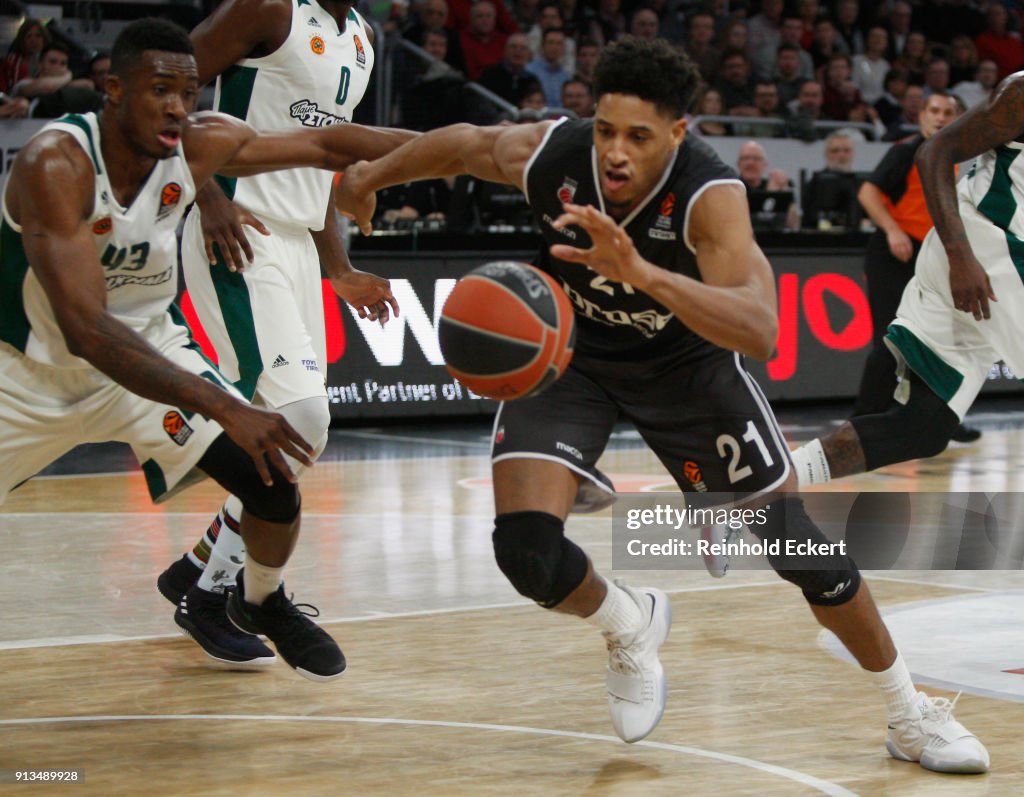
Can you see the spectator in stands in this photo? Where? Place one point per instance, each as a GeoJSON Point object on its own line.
{"type": "Point", "coordinates": [764, 35]}
{"type": "Point", "coordinates": [586, 58]}
{"type": "Point", "coordinates": [849, 38]}
{"type": "Point", "coordinates": [605, 23]}
{"type": "Point", "coordinates": [788, 77]}
{"type": "Point", "coordinates": [578, 98]}
{"type": "Point", "coordinates": [936, 77]}
{"type": "Point", "coordinates": [809, 11]}
{"type": "Point", "coordinates": [99, 67]}
{"type": "Point", "coordinates": [13, 107]}
{"type": "Point", "coordinates": [910, 110]}
{"type": "Point", "coordinates": [532, 100]}
{"type": "Point", "coordinates": [790, 32]}
{"type": "Point", "coordinates": [508, 78]}
{"type": "Point", "coordinates": [525, 13]}
{"type": "Point", "coordinates": [963, 60]}
{"type": "Point", "coordinates": [829, 199]}
{"type": "Point", "coordinates": [766, 106]}
{"type": "Point", "coordinates": [841, 93]}
{"type": "Point", "coordinates": [644, 24]}
{"type": "Point", "coordinates": [482, 43]}
{"type": "Point", "coordinates": [824, 45]}
{"type": "Point", "coordinates": [752, 166]}
{"type": "Point", "coordinates": [550, 16]}
{"type": "Point", "coordinates": [55, 91]}
{"type": "Point", "coordinates": [914, 57]}
{"type": "Point", "coordinates": [735, 37]}
{"type": "Point", "coordinates": [976, 91]}
{"type": "Point", "coordinates": [710, 104]}
{"type": "Point", "coordinates": [735, 83]}
{"type": "Point", "coordinates": [460, 17]}
{"type": "Point", "coordinates": [888, 105]}
{"type": "Point", "coordinates": [428, 15]}
{"type": "Point", "coordinates": [24, 54]}
{"type": "Point", "coordinates": [804, 111]}
{"type": "Point", "coordinates": [997, 43]}
{"type": "Point", "coordinates": [900, 15]}
{"type": "Point", "coordinates": [871, 66]}
{"type": "Point", "coordinates": [700, 45]}
{"type": "Point", "coordinates": [571, 18]}
{"type": "Point", "coordinates": [547, 66]}
{"type": "Point", "coordinates": [671, 20]}
{"type": "Point", "coordinates": [443, 201]}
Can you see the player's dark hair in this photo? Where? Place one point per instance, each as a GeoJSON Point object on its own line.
{"type": "Point", "coordinates": [147, 34]}
{"type": "Point", "coordinates": [651, 70]}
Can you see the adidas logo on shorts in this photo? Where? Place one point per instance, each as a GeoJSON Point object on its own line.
{"type": "Point", "coordinates": [279, 361]}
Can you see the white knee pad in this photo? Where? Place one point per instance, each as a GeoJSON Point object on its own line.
{"type": "Point", "coordinates": [311, 418]}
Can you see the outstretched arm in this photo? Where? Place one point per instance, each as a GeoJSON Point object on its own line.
{"type": "Point", "coordinates": [734, 307]}
{"type": "Point", "coordinates": [52, 196]}
{"type": "Point", "coordinates": [498, 154]}
{"type": "Point", "coordinates": [984, 127]}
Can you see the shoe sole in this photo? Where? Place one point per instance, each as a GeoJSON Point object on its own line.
{"type": "Point", "coordinates": [189, 629]}
{"type": "Point", "coordinates": [972, 766]}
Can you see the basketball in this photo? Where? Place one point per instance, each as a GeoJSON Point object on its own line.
{"type": "Point", "coordinates": [507, 331]}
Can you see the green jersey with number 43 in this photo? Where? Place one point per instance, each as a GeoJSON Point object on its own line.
{"type": "Point", "coordinates": [137, 247]}
{"type": "Point", "coordinates": [315, 78]}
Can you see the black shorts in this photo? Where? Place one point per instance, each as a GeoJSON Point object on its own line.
{"type": "Point", "coordinates": [706, 420]}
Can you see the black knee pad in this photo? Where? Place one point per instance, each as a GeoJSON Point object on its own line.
{"type": "Point", "coordinates": [920, 428]}
{"type": "Point", "coordinates": [232, 468]}
{"type": "Point", "coordinates": [827, 579]}
{"type": "Point", "coordinates": [533, 553]}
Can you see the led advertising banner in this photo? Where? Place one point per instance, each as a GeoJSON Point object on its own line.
{"type": "Point", "coordinates": [374, 372]}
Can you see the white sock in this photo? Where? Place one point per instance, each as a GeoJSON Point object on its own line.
{"type": "Point", "coordinates": [260, 581]}
{"type": "Point", "coordinates": [227, 555]}
{"type": "Point", "coordinates": [810, 464]}
{"type": "Point", "coordinates": [618, 613]}
{"type": "Point", "coordinates": [897, 688]}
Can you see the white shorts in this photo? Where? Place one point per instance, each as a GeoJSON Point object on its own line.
{"type": "Point", "coordinates": [946, 347]}
{"type": "Point", "coordinates": [266, 322]}
{"type": "Point", "coordinates": [47, 411]}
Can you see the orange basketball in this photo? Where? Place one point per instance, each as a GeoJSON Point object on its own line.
{"type": "Point", "coordinates": [507, 331]}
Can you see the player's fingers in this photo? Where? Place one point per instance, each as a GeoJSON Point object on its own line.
{"type": "Point", "coordinates": [382, 312]}
{"type": "Point", "coordinates": [242, 240]}
{"type": "Point", "coordinates": [256, 224]}
{"type": "Point", "coordinates": [569, 253]}
{"type": "Point", "coordinates": [391, 301]}
{"type": "Point", "coordinates": [262, 469]}
{"type": "Point", "coordinates": [281, 464]}
{"type": "Point", "coordinates": [211, 256]}
{"type": "Point", "coordinates": [982, 310]}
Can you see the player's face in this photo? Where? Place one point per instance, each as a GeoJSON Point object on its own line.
{"type": "Point", "coordinates": [153, 101]}
{"type": "Point", "coordinates": [634, 142]}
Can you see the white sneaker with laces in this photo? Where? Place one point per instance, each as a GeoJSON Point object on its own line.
{"type": "Point", "coordinates": [635, 679]}
{"type": "Point", "coordinates": [929, 734]}
{"type": "Point", "coordinates": [716, 562]}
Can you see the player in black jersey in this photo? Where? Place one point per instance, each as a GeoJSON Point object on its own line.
{"type": "Point", "coordinates": [649, 233]}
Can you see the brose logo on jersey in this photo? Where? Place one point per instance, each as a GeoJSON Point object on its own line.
{"type": "Point", "coordinates": [309, 114]}
{"type": "Point", "coordinates": [360, 52]}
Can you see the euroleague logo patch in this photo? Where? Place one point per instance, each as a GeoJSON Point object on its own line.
{"type": "Point", "coordinates": [316, 44]}
{"type": "Point", "coordinates": [360, 52]}
{"type": "Point", "coordinates": [103, 226]}
{"type": "Point", "coordinates": [176, 427]}
{"type": "Point", "coordinates": [693, 474]}
{"type": "Point", "coordinates": [170, 196]}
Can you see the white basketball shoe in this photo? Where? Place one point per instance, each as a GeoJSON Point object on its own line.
{"type": "Point", "coordinates": [929, 735]}
{"type": "Point", "coordinates": [635, 678]}
{"type": "Point", "coordinates": [717, 562]}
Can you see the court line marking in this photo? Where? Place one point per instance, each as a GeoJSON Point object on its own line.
{"type": "Point", "coordinates": [823, 786]}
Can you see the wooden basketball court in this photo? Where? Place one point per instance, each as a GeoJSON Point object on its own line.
{"type": "Point", "coordinates": [456, 685]}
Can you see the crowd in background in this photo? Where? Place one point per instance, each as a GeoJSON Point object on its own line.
{"type": "Point", "coordinates": [770, 68]}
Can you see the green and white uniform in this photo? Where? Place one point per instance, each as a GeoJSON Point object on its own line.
{"type": "Point", "coordinates": [51, 400]}
{"type": "Point", "coordinates": [946, 347]}
{"type": "Point", "coordinates": [267, 323]}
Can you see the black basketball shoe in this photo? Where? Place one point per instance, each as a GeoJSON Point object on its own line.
{"type": "Point", "coordinates": [302, 643]}
{"type": "Point", "coordinates": [203, 616]}
{"type": "Point", "coordinates": [176, 580]}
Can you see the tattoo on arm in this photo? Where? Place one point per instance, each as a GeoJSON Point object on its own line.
{"type": "Point", "coordinates": [844, 452]}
